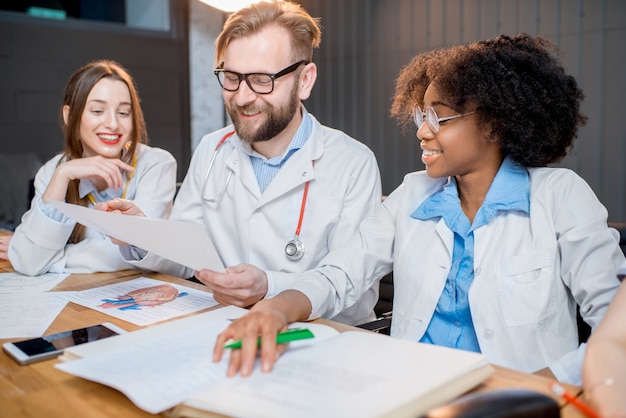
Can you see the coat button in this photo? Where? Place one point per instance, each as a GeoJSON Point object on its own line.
{"type": "Point", "coordinates": [488, 334]}
{"type": "Point", "coordinates": [477, 271]}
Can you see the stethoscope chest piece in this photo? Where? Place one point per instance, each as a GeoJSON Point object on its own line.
{"type": "Point", "coordinates": [294, 250]}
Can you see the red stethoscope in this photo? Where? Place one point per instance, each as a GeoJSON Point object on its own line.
{"type": "Point", "coordinates": [294, 250]}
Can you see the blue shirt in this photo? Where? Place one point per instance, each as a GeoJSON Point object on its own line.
{"type": "Point", "coordinates": [451, 324]}
{"type": "Point", "coordinates": [266, 169]}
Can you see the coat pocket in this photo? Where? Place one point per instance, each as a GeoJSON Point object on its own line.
{"type": "Point", "coordinates": [524, 288]}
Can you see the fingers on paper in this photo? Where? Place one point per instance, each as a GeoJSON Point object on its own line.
{"type": "Point", "coordinates": [124, 206]}
{"type": "Point", "coordinates": [249, 329]}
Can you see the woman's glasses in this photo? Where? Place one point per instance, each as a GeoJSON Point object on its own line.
{"type": "Point", "coordinates": [430, 116]}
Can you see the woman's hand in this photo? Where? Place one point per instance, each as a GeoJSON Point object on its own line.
{"type": "Point", "coordinates": [123, 206]}
{"type": "Point", "coordinates": [265, 320]}
{"type": "Point", "coordinates": [103, 171]}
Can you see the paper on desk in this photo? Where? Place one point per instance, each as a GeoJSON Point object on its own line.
{"type": "Point", "coordinates": [154, 374]}
{"type": "Point", "coordinates": [189, 300]}
{"type": "Point", "coordinates": [18, 283]}
{"type": "Point", "coordinates": [186, 243]}
{"type": "Point", "coordinates": [27, 315]}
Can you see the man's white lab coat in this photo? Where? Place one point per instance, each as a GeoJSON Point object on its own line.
{"type": "Point", "coordinates": [248, 226]}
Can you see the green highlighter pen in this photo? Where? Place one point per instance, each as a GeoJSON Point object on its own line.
{"type": "Point", "coordinates": [282, 337]}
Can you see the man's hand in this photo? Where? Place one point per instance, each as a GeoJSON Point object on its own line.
{"type": "Point", "coordinates": [241, 285]}
{"type": "Point", "coordinates": [4, 246]}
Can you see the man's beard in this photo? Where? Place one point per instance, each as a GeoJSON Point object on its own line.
{"type": "Point", "coordinates": [276, 121]}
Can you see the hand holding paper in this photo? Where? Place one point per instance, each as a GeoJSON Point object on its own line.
{"type": "Point", "coordinates": [123, 206]}
{"type": "Point", "coordinates": [186, 243]}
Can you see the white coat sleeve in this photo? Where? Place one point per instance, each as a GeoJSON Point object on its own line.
{"type": "Point", "coordinates": [590, 257]}
{"type": "Point", "coordinates": [345, 274]}
{"type": "Point", "coordinates": [39, 244]}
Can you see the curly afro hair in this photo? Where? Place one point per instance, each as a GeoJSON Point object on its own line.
{"type": "Point", "coordinates": [516, 84]}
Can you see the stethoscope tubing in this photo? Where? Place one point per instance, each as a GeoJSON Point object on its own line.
{"type": "Point", "coordinates": [211, 163]}
{"type": "Point", "coordinates": [294, 250]}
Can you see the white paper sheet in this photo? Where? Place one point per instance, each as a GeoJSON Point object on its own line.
{"type": "Point", "coordinates": [186, 243]}
{"type": "Point", "coordinates": [27, 315]}
{"type": "Point", "coordinates": [188, 300]}
{"type": "Point", "coordinates": [18, 283]}
{"type": "Point", "coordinates": [357, 373]}
{"type": "Point", "coordinates": [172, 365]}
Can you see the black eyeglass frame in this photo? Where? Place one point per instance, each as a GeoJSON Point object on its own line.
{"type": "Point", "coordinates": [242, 77]}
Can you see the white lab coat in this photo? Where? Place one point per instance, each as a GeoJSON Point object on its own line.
{"type": "Point", "coordinates": [39, 244]}
{"type": "Point", "coordinates": [248, 226]}
{"type": "Point", "coordinates": [529, 271]}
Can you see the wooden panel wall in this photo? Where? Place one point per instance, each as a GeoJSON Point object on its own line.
{"type": "Point", "coordinates": [366, 42]}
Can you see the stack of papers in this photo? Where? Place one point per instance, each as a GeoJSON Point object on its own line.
{"type": "Point", "coordinates": [353, 373]}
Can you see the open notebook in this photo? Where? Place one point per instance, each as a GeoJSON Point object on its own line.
{"type": "Point", "coordinates": [355, 373]}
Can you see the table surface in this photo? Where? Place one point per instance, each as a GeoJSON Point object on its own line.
{"type": "Point", "coordinates": [39, 389]}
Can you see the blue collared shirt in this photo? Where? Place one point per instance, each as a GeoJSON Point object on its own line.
{"type": "Point", "coordinates": [451, 324]}
{"type": "Point", "coordinates": [266, 169]}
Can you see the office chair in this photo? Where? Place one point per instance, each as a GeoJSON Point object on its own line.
{"type": "Point", "coordinates": [621, 228]}
{"type": "Point", "coordinates": [383, 308]}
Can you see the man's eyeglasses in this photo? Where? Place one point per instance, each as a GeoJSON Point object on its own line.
{"type": "Point", "coordinates": [430, 116]}
{"type": "Point", "coordinates": [260, 83]}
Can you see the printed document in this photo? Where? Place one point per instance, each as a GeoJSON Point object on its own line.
{"type": "Point", "coordinates": [186, 243]}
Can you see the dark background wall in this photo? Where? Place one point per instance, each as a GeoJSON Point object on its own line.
{"type": "Point", "coordinates": [365, 43]}
{"type": "Point", "coordinates": [38, 55]}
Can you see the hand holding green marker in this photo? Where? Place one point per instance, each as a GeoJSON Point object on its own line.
{"type": "Point", "coordinates": [282, 337]}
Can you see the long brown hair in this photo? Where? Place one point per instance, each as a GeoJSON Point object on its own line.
{"type": "Point", "coordinates": [77, 90]}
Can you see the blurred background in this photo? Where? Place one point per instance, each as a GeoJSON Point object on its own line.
{"type": "Point", "coordinates": [167, 45]}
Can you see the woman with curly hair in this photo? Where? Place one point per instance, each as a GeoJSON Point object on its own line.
{"type": "Point", "coordinates": [105, 157]}
{"type": "Point", "coordinates": [491, 250]}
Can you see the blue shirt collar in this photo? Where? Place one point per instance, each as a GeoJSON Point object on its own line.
{"type": "Point", "coordinates": [298, 141]}
{"type": "Point", "coordinates": [510, 190]}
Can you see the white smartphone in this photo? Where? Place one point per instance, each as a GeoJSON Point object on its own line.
{"type": "Point", "coordinates": [51, 346]}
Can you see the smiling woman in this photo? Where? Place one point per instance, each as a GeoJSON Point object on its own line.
{"type": "Point", "coordinates": [105, 157]}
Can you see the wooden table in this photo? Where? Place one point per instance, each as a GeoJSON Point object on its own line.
{"type": "Point", "coordinates": [40, 390]}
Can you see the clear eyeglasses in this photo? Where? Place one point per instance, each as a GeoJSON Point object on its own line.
{"type": "Point", "coordinates": [260, 83]}
{"type": "Point", "coordinates": [430, 116]}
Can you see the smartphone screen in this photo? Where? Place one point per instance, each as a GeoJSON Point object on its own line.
{"type": "Point", "coordinates": [50, 346]}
